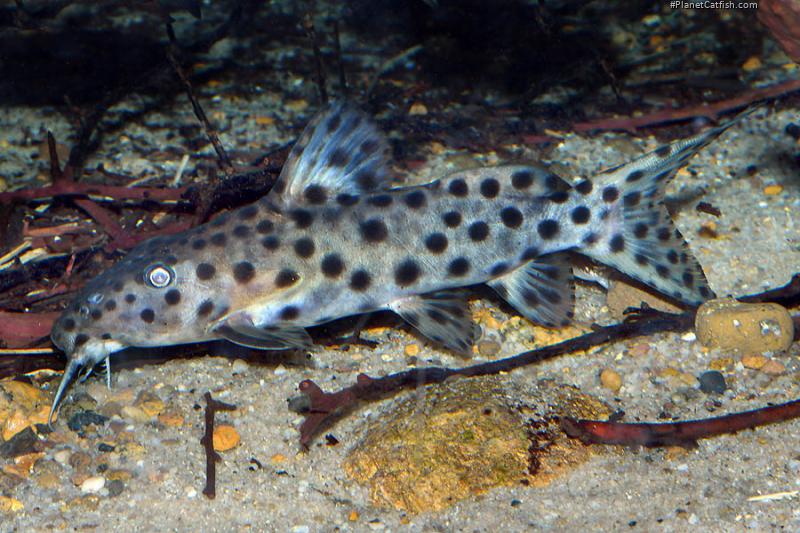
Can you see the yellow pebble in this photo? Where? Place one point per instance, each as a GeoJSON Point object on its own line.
{"type": "Point", "coordinates": [225, 438]}
{"type": "Point", "coordinates": [753, 63]}
{"type": "Point", "coordinates": [10, 505]}
{"type": "Point", "coordinates": [277, 458]}
{"type": "Point", "coordinates": [754, 361]}
{"type": "Point", "coordinates": [437, 148]}
{"type": "Point", "coordinates": [411, 350]}
{"type": "Point", "coordinates": [772, 190]}
{"type": "Point", "coordinates": [418, 108]}
{"type": "Point", "coordinates": [265, 121]}
{"type": "Point", "coordinates": [611, 379]}
{"type": "Point", "coordinates": [353, 516]}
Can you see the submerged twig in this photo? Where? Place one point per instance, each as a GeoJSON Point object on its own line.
{"type": "Point", "coordinates": [212, 457]}
{"type": "Point", "coordinates": [308, 25]}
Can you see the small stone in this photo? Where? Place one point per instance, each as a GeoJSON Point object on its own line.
{"type": "Point", "coordinates": [353, 516]}
{"type": "Point", "coordinates": [754, 361]}
{"type": "Point", "coordinates": [62, 457]}
{"type": "Point", "coordinates": [411, 350]}
{"type": "Point", "coordinates": [171, 418]}
{"type": "Point", "coordinates": [418, 108]}
{"type": "Point", "coordinates": [90, 501]}
{"type": "Point", "coordinates": [129, 412]}
{"type": "Point", "coordinates": [115, 487]}
{"type": "Point", "coordinates": [773, 367]}
{"type": "Point", "coordinates": [119, 475]}
{"type": "Point", "coordinates": [149, 403]}
{"type": "Point", "coordinates": [744, 328]}
{"type": "Point", "coordinates": [225, 437]}
{"type": "Point", "coordinates": [277, 458]}
{"type": "Point", "coordinates": [21, 443]}
{"type": "Point", "coordinates": [772, 190]}
{"type": "Point", "coordinates": [80, 461]}
{"type": "Point", "coordinates": [191, 492]}
{"type": "Point", "coordinates": [721, 363]}
{"type": "Point", "coordinates": [610, 379]}
{"type": "Point", "coordinates": [301, 529]}
{"type": "Point", "coordinates": [105, 448]}
{"type": "Point", "coordinates": [10, 505]}
{"type": "Point", "coordinates": [239, 366]}
{"type": "Point", "coordinates": [93, 484]}
{"type": "Point", "coordinates": [81, 419]}
{"type": "Point", "coordinates": [712, 382]}
{"type": "Point", "coordinates": [752, 63]}
{"type": "Point", "coordinates": [488, 348]}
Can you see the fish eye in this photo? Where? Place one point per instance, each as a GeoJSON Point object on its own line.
{"type": "Point", "coordinates": [96, 298]}
{"type": "Point", "coordinates": [159, 276]}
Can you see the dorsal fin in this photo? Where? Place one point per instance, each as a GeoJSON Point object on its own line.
{"type": "Point", "coordinates": [340, 151]}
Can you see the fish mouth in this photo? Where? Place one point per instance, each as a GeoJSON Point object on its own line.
{"type": "Point", "coordinates": [73, 369]}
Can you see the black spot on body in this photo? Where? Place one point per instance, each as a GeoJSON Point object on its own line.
{"type": "Point", "coordinates": [584, 187]}
{"type": "Point", "coordinates": [96, 314]}
{"type": "Point", "coordinates": [553, 182]}
{"type": "Point", "coordinates": [632, 199]}
{"type": "Point", "coordinates": [332, 265]}
{"type": "Point", "coordinates": [198, 244]}
{"type": "Point", "coordinates": [315, 194]}
{"type": "Point", "coordinates": [436, 243]}
{"type": "Point", "coordinates": [548, 229]}
{"type": "Point", "coordinates": [452, 219]}
{"type": "Point", "coordinates": [581, 214]}
{"type": "Point", "coordinates": [373, 230]}
{"type": "Point", "coordinates": [617, 243]}
{"type": "Point", "coordinates": [458, 187]}
{"type": "Point", "coordinates": [304, 247]}
{"type": "Point", "coordinates": [360, 280]}
{"type": "Point", "coordinates": [590, 238]}
{"type": "Point", "coordinates": [558, 197]}
{"type": "Point", "coordinates": [640, 230]}
{"type": "Point", "coordinates": [458, 267]}
{"type": "Point", "coordinates": [380, 200]}
{"type": "Point", "coordinates": [241, 231]}
{"type": "Point", "coordinates": [511, 217]}
{"type": "Point", "coordinates": [672, 257]}
{"type": "Point", "coordinates": [498, 269]}
{"type": "Point", "coordinates": [130, 298]}
{"type": "Point", "coordinates": [636, 175]}
{"type": "Point", "coordinates": [610, 194]}
{"type": "Point", "coordinates": [105, 336]}
{"type": "Point", "coordinates": [271, 243]}
{"type": "Point", "coordinates": [663, 234]}
{"type": "Point", "coordinates": [368, 147]}
{"type": "Point", "coordinates": [490, 188]}
{"type": "Point", "coordinates": [205, 271]}
{"type": "Point", "coordinates": [118, 286]}
{"type": "Point", "coordinates": [218, 239]}
{"type": "Point", "coordinates": [531, 298]}
{"type": "Point", "coordinates": [347, 199]}
{"type": "Point", "coordinates": [641, 259]}
{"type": "Point", "coordinates": [333, 123]}
{"type": "Point", "coordinates": [688, 279]}
{"type": "Point", "coordinates": [244, 272]}
{"type": "Point", "coordinates": [147, 315]}
{"type": "Point", "coordinates": [662, 271]}
{"type": "Point", "coordinates": [81, 339]}
{"type": "Point", "coordinates": [338, 158]}
{"type": "Point", "coordinates": [248, 212]}
{"type": "Point", "coordinates": [663, 151]}
{"type": "Point", "coordinates": [704, 292]}
{"type": "Point", "coordinates": [172, 297]}
{"type": "Point", "coordinates": [205, 308]}
{"type": "Point", "coordinates": [303, 218]}
{"type": "Point", "coordinates": [415, 199]}
{"type": "Point", "coordinates": [366, 179]}
{"type": "Point", "coordinates": [265, 226]}
{"type": "Point", "coordinates": [285, 278]}
{"type": "Point", "coordinates": [478, 231]}
{"type": "Point", "coordinates": [530, 253]}
{"type": "Point", "coordinates": [290, 312]}
{"type": "Point", "coordinates": [407, 272]}
{"type": "Point", "coordinates": [522, 179]}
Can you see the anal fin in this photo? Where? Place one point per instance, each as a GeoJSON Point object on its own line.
{"type": "Point", "coordinates": [442, 317]}
{"type": "Point", "coordinates": [541, 290]}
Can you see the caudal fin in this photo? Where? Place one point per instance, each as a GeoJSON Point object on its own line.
{"type": "Point", "coordinates": [637, 235]}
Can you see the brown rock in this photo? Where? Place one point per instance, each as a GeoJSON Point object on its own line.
{"type": "Point", "coordinates": [149, 403]}
{"type": "Point", "coordinates": [450, 441]}
{"type": "Point", "coordinates": [610, 379]}
{"type": "Point", "coordinates": [621, 296]}
{"type": "Point", "coordinates": [744, 328]}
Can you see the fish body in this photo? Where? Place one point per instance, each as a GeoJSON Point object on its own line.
{"type": "Point", "coordinates": [334, 239]}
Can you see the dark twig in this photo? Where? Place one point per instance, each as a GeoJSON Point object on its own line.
{"type": "Point", "coordinates": [684, 434]}
{"type": "Point", "coordinates": [222, 156]}
{"type": "Point", "coordinates": [308, 25]}
{"type": "Point", "coordinates": [212, 457]}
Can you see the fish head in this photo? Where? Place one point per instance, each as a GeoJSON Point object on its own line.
{"type": "Point", "coordinates": [152, 297]}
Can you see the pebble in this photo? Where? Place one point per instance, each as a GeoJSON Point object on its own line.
{"type": "Point", "coordinates": [301, 529]}
{"type": "Point", "coordinates": [81, 419]}
{"type": "Point", "coordinates": [610, 379]}
{"type": "Point", "coordinates": [115, 487]}
{"type": "Point", "coordinates": [754, 362]}
{"type": "Point", "coordinates": [62, 456]}
{"type": "Point", "coordinates": [488, 348]}
{"type": "Point", "coordinates": [744, 328]}
{"type": "Point", "coordinates": [418, 108]}
{"type": "Point", "coordinates": [129, 412]}
{"type": "Point", "coordinates": [772, 190]}
{"type": "Point", "coordinates": [10, 505]}
{"type": "Point", "coordinates": [712, 382]}
{"type": "Point", "coordinates": [225, 437]}
{"type": "Point", "coordinates": [93, 484]}
{"type": "Point", "coordinates": [411, 350]}
{"type": "Point", "coordinates": [149, 403]}
{"type": "Point", "coordinates": [773, 367]}
{"type": "Point", "coordinates": [239, 366]}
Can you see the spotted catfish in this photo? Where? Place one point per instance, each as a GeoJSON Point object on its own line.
{"type": "Point", "coordinates": [334, 239]}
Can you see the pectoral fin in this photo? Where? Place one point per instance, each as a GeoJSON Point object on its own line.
{"type": "Point", "coordinates": [442, 317]}
{"type": "Point", "coordinates": [240, 330]}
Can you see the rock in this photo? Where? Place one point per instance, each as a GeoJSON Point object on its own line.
{"type": "Point", "coordinates": [93, 484]}
{"type": "Point", "coordinates": [418, 108]}
{"type": "Point", "coordinates": [610, 379]}
{"type": "Point", "coordinates": [488, 347]}
{"type": "Point", "coordinates": [115, 487]}
{"type": "Point", "coordinates": [130, 412]}
{"type": "Point", "coordinates": [622, 296]}
{"type": "Point", "coordinates": [225, 437]}
{"type": "Point", "coordinates": [10, 505]}
{"type": "Point", "coordinates": [744, 328]}
{"type": "Point", "coordinates": [712, 382]}
{"type": "Point", "coordinates": [21, 443]}
{"type": "Point", "coordinates": [82, 419]}
{"type": "Point", "coordinates": [149, 403]}
{"type": "Point", "coordinates": [453, 440]}
{"type": "Point", "coordinates": [773, 367]}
